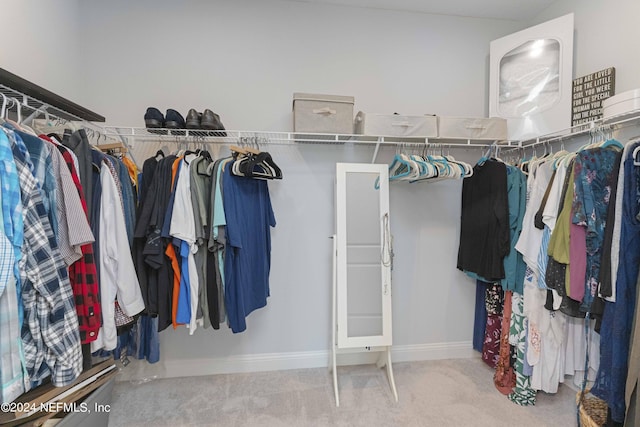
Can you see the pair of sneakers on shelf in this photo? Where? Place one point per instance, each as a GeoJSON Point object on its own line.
{"type": "Point", "coordinates": [207, 120]}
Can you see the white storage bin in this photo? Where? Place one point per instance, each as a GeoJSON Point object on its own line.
{"type": "Point", "coordinates": [315, 113]}
{"type": "Point", "coordinates": [621, 105]}
{"type": "Point", "coordinates": [396, 125]}
{"type": "Point", "coordinates": [493, 128]}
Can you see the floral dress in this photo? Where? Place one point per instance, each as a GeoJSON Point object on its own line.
{"type": "Point", "coordinates": [494, 302]}
{"type": "Point", "coordinates": [594, 175]}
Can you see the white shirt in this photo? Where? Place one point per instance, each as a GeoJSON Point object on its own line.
{"type": "Point", "coordinates": [550, 213]}
{"type": "Point", "coordinates": [183, 227]}
{"type": "Point", "coordinates": [530, 239]}
{"type": "Point", "coordinates": [117, 274]}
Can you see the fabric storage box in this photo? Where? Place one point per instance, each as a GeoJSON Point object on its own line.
{"type": "Point", "coordinates": [622, 105]}
{"type": "Point", "coordinates": [396, 125]}
{"type": "Point", "coordinates": [493, 128]}
{"type": "Point", "coordinates": [322, 113]}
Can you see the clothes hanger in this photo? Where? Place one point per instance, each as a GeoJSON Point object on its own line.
{"type": "Point", "coordinates": [486, 156]}
{"type": "Point", "coordinates": [3, 109]}
{"type": "Point", "coordinates": [18, 106]}
{"type": "Point", "coordinates": [260, 166]}
{"type": "Point", "coordinates": [422, 164]}
{"type": "Point", "coordinates": [239, 150]}
{"type": "Point", "coordinates": [202, 167]}
{"type": "Point", "coordinates": [612, 143]}
{"type": "Point", "coordinates": [452, 168]}
{"type": "Point", "coordinates": [414, 168]}
{"type": "Point", "coordinates": [635, 156]}
{"type": "Point", "coordinates": [398, 168]}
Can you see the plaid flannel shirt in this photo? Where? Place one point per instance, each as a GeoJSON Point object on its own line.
{"type": "Point", "coordinates": [50, 336]}
{"type": "Point", "coordinates": [83, 276]}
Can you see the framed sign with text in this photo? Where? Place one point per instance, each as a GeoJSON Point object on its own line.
{"type": "Point", "coordinates": [588, 93]}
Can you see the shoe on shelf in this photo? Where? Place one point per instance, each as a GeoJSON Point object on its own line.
{"type": "Point", "coordinates": [153, 118]}
{"type": "Point", "coordinates": [211, 121]}
{"type": "Point", "coordinates": [174, 120]}
{"type": "Point", "coordinates": [193, 119]}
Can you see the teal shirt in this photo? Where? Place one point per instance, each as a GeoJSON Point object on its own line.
{"type": "Point", "coordinates": [514, 265]}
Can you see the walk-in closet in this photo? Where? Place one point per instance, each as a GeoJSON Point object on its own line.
{"type": "Point", "coordinates": [318, 213]}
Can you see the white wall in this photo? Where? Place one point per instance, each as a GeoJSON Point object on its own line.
{"type": "Point", "coordinates": [605, 36]}
{"type": "Point", "coordinates": [244, 59]}
{"type": "Point", "coordinates": [40, 43]}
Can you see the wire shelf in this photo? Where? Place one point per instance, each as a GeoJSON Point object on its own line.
{"type": "Point", "coordinates": [283, 138]}
{"type": "Point", "coordinates": [31, 105]}
{"type": "Point", "coordinates": [629, 118]}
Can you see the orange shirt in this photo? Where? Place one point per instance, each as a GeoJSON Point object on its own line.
{"type": "Point", "coordinates": [171, 253]}
{"type": "Point", "coordinates": [132, 168]}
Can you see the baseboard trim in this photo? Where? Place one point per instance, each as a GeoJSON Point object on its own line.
{"type": "Point", "coordinates": [142, 371]}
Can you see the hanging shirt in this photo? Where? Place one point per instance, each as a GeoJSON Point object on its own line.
{"type": "Point", "coordinates": [594, 173]}
{"type": "Point", "coordinates": [530, 239]}
{"type": "Point", "coordinates": [605, 279]}
{"type": "Point", "coordinates": [74, 230]}
{"type": "Point", "coordinates": [40, 155]}
{"type": "Point", "coordinates": [11, 374]}
{"type": "Point", "coordinates": [147, 274]}
{"type": "Point", "coordinates": [619, 316]}
{"type": "Point", "coordinates": [50, 336]}
{"type": "Point", "coordinates": [173, 251]}
{"type": "Point", "coordinates": [12, 209]}
{"type": "Point", "coordinates": [514, 266]}
{"type": "Point", "coordinates": [183, 228]}
{"type": "Point", "coordinates": [549, 218]}
{"type": "Point", "coordinates": [132, 170]}
{"type": "Point", "coordinates": [217, 239]}
{"type": "Point", "coordinates": [83, 275]}
{"type": "Point", "coordinates": [79, 144]}
{"type": "Point", "coordinates": [249, 217]}
{"type": "Point", "coordinates": [200, 195]}
{"type": "Point", "coordinates": [117, 275]}
{"type": "Point", "coordinates": [615, 243]}
{"type": "Point", "coordinates": [484, 224]}
{"type": "Point", "coordinates": [160, 273]}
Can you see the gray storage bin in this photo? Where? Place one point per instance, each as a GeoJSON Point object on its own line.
{"type": "Point", "coordinates": [493, 128]}
{"type": "Point", "coordinates": [396, 125]}
{"type": "Point", "coordinates": [315, 113]}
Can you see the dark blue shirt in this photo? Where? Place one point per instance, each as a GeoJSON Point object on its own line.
{"type": "Point", "coordinates": [249, 215]}
{"type": "Point", "coordinates": [617, 319]}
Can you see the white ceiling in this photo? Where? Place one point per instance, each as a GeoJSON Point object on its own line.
{"type": "Point", "coordinates": [519, 10]}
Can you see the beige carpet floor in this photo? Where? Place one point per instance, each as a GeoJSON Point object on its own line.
{"type": "Point", "coordinates": [433, 393]}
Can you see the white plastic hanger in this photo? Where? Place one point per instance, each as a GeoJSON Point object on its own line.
{"type": "Point", "coordinates": [635, 156]}
{"type": "Point", "coordinates": [3, 110]}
